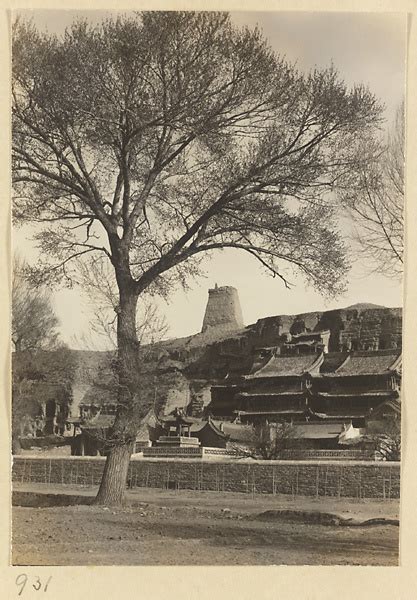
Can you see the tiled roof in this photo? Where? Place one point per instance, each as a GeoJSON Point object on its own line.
{"type": "Point", "coordinates": [148, 422]}
{"type": "Point", "coordinates": [234, 431]}
{"type": "Point", "coordinates": [271, 412]}
{"type": "Point", "coordinates": [350, 413]}
{"type": "Point", "coordinates": [317, 431]}
{"type": "Point", "coordinates": [271, 394]}
{"type": "Point", "coordinates": [369, 363]}
{"type": "Point", "coordinates": [196, 427]}
{"type": "Point", "coordinates": [279, 366]}
{"type": "Point", "coordinates": [342, 418]}
{"type": "Point", "coordinates": [332, 360]}
{"type": "Point", "coordinates": [393, 404]}
{"type": "Point", "coordinates": [350, 394]}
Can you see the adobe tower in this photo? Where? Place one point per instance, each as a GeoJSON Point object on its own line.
{"type": "Point", "coordinates": [223, 310]}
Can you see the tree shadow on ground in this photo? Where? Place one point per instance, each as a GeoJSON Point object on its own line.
{"type": "Point", "coordinates": [33, 500]}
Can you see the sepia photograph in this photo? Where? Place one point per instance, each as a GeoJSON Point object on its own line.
{"type": "Point", "coordinates": [207, 287]}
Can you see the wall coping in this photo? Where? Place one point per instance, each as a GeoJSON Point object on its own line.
{"type": "Point", "coordinates": [234, 461]}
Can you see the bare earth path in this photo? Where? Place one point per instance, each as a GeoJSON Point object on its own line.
{"type": "Point", "coordinates": [198, 528]}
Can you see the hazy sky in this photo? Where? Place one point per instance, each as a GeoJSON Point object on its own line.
{"type": "Point", "coordinates": [364, 47]}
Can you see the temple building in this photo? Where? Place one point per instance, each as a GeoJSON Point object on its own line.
{"type": "Point", "coordinates": [277, 387]}
{"type": "Point", "coordinates": [329, 374]}
{"type": "Point", "coordinates": [350, 386]}
{"type": "Point", "coordinates": [299, 382]}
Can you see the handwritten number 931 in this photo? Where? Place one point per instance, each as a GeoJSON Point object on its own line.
{"type": "Point", "coordinates": [22, 580]}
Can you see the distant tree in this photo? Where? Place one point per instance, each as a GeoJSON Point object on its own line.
{"type": "Point", "coordinates": [37, 377]}
{"type": "Point", "coordinates": [155, 139]}
{"type": "Point", "coordinates": [33, 319]}
{"type": "Point", "coordinates": [386, 438]}
{"type": "Point", "coordinates": [33, 331]}
{"type": "Point", "coordinates": [377, 203]}
{"type": "Point", "coordinates": [281, 437]}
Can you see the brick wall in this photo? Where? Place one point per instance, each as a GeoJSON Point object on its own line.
{"type": "Point", "coordinates": [357, 480]}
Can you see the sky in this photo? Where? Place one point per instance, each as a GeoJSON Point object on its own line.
{"type": "Point", "coordinates": [366, 48]}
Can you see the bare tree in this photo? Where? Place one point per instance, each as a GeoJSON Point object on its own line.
{"type": "Point", "coordinates": [97, 279]}
{"type": "Point", "coordinates": [274, 438]}
{"type": "Point", "coordinates": [33, 319]}
{"type": "Point", "coordinates": [98, 282]}
{"type": "Point", "coordinates": [267, 441]}
{"type": "Point", "coordinates": [377, 203]}
{"type": "Point", "coordinates": [156, 139]}
{"type": "Point", "coordinates": [386, 439]}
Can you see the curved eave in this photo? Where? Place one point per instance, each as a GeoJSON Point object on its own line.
{"type": "Point", "coordinates": [271, 394]}
{"type": "Point", "coordinates": [269, 412]}
{"type": "Point", "coordinates": [316, 364]}
{"type": "Point", "coordinates": [259, 374]}
{"type": "Point", "coordinates": [397, 364]}
{"type": "Point", "coordinates": [371, 394]}
{"type": "Point", "coordinates": [341, 375]}
{"type": "Point", "coordinates": [347, 359]}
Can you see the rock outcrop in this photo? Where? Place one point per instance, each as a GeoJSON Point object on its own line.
{"type": "Point", "coordinates": [183, 370]}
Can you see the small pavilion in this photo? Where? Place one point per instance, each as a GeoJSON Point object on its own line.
{"type": "Point", "coordinates": [178, 426]}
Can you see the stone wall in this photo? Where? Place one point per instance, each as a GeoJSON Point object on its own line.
{"type": "Point", "coordinates": [337, 479]}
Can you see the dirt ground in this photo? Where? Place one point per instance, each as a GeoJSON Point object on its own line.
{"type": "Point", "coordinates": [160, 527]}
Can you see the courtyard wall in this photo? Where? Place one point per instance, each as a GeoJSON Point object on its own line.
{"type": "Point", "coordinates": [353, 479]}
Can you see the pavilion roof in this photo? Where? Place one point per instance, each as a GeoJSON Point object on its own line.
{"type": "Point", "coordinates": [236, 432]}
{"type": "Point", "coordinates": [370, 363]}
{"type": "Point", "coordinates": [178, 420]}
{"type": "Point", "coordinates": [200, 425]}
{"type": "Point", "coordinates": [288, 365]}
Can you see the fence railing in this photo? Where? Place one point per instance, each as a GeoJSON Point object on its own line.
{"type": "Point", "coordinates": [354, 480]}
{"type": "Point", "coordinates": [326, 454]}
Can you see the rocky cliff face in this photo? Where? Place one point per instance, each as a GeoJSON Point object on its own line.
{"type": "Point", "coordinates": [359, 327]}
{"type": "Point", "coordinates": [370, 329]}
{"type": "Point", "coordinates": [183, 370]}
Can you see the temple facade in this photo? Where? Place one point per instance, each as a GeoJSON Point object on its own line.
{"type": "Point", "coordinates": [299, 381]}
{"type": "Point", "coordinates": [329, 374]}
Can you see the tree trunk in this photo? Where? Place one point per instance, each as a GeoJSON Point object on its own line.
{"type": "Point", "coordinates": [113, 483]}
{"type": "Point", "coordinates": [123, 433]}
